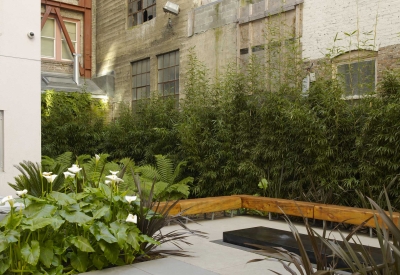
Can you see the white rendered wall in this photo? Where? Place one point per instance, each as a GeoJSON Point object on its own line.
{"type": "Point", "coordinates": [322, 19]}
{"type": "Point", "coordinates": [19, 85]}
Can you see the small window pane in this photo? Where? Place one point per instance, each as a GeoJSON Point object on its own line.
{"type": "Point", "coordinates": [148, 79]}
{"type": "Point", "coordinates": [177, 72]}
{"type": "Point", "coordinates": [165, 75]}
{"type": "Point", "coordinates": [160, 62]}
{"type": "Point", "coordinates": [47, 47]}
{"type": "Point", "coordinates": [166, 60]}
{"type": "Point", "coordinates": [71, 29]}
{"type": "Point", "coordinates": [49, 28]}
{"type": "Point", "coordinates": [66, 53]}
{"type": "Point", "coordinates": [134, 94]}
{"type": "Point", "coordinates": [134, 66]}
{"type": "Point", "coordinates": [160, 77]}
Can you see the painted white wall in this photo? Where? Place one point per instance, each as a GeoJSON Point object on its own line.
{"type": "Point", "coordinates": [323, 19]}
{"type": "Point", "coordinates": [19, 85]}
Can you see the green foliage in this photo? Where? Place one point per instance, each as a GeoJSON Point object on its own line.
{"type": "Point", "coordinates": [167, 185]}
{"type": "Point", "coordinates": [71, 122]}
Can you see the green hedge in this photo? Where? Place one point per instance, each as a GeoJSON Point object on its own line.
{"type": "Point", "coordinates": [234, 132]}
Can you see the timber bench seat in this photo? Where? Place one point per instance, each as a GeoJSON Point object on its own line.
{"type": "Point", "coordinates": [210, 205]}
{"type": "Point", "coordinates": [289, 207]}
{"type": "Point", "coordinates": [324, 212]}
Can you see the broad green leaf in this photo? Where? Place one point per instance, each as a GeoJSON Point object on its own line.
{"type": "Point", "coordinates": [99, 261]}
{"type": "Point", "coordinates": [56, 222]}
{"type": "Point", "coordinates": [38, 223]}
{"type": "Point", "coordinates": [80, 261]}
{"type": "Point", "coordinates": [62, 199]}
{"type": "Point", "coordinates": [11, 221]}
{"type": "Point", "coordinates": [39, 210]}
{"type": "Point", "coordinates": [101, 212]}
{"type": "Point", "coordinates": [119, 231]}
{"type": "Point", "coordinates": [11, 236]}
{"type": "Point", "coordinates": [31, 253]}
{"type": "Point", "coordinates": [133, 239]}
{"type": "Point", "coordinates": [3, 243]}
{"type": "Point", "coordinates": [101, 232]}
{"type": "Point", "coordinates": [148, 239]}
{"type": "Point", "coordinates": [82, 244]}
{"type": "Point", "coordinates": [56, 271]}
{"type": "Point", "coordinates": [46, 253]}
{"type": "Point", "coordinates": [111, 251]}
{"type": "Point", "coordinates": [4, 266]}
{"type": "Point", "coordinates": [75, 217]}
{"type": "Point", "coordinates": [73, 207]}
{"type": "Point", "coordinates": [106, 190]}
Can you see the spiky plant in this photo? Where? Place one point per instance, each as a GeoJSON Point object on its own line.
{"type": "Point", "coordinates": [31, 179]}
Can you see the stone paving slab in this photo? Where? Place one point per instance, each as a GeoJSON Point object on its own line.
{"type": "Point", "coordinates": [165, 266]}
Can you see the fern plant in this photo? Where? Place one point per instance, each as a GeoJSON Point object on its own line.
{"type": "Point", "coordinates": [167, 185]}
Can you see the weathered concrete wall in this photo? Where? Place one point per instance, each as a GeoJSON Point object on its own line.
{"type": "Point", "coordinates": [119, 46]}
{"type": "Point", "coordinates": [324, 19]}
{"type": "Point", "coordinates": [20, 86]}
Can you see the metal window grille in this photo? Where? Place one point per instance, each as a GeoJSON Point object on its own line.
{"type": "Point", "coordinates": [140, 81]}
{"type": "Point", "coordinates": [168, 74]}
{"type": "Point", "coordinates": [140, 11]}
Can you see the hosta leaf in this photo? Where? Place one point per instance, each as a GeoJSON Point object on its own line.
{"type": "Point", "coordinates": [62, 199]}
{"type": "Point", "coordinates": [46, 253]}
{"type": "Point", "coordinates": [75, 217]}
{"type": "Point", "coordinates": [101, 232]}
{"type": "Point", "coordinates": [31, 253]}
{"type": "Point", "coordinates": [39, 210]}
{"type": "Point", "coordinates": [111, 251]}
{"type": "Point", "coordinates": [80, 261]}
{"type": "Point", "coordinates": [101, 212]}
{"type": "Point", "coordinates": [82, 244]}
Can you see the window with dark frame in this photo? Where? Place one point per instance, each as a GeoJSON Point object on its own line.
{"type": "Point", "coordinates": [168, 75]}
{"type": "Point", "coordinates": [140, 11]}
{"type": "Point", "coordinates": [140, 81]}
{"type": "Point", "coordinates": [358, 78]}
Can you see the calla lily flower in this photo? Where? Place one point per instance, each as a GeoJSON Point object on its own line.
{"type": "Point", "coordinates": [69, 175]}
{"type": "Point", "coordinates": [51, 178]}
{"type": "Point", "coordinates": [46, 174]}
{"type": "Point", "coordinates": [8, 199]}
{"type": "Point", "coordinates": [107, 182]}
{"type": "Point", "coordinates": [130, 199]}
{"type": "Point", "coordinates": [97, 157]}
{"type": "Point", "coordinates": [114, 172]}
{"type": "Point", "coordinates": [74, 169]}
{"type": "Point", "coordinates": [21, 193]}
{"type": "Point", "coordinates": [114, 178]}
{"type": "Point", "coordinates": [131, 218]}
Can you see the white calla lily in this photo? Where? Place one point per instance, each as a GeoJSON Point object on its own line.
{"type": "Point", "coordinates": [107, 182]}
{"type": "Point", "coordinates": [130, 199]}
{"type": "Point", "coordinates": [114, 172]}
{"type": "Point", "coordinates": [131, 218]}
{"type": "Point", "coordinates": [51, 178]}
{"type": "Point", "coordinates": [97, 157]}
{"type": "Point", "coordinates": [21, 193]}
{"type": "Point", "coordinates": [114, 178]}
{"type": "Point", "coordinates": [69, 175]}
{"type": "Point", "coordinates": [46, 174]}
{"type": "Point", "coordinates": [8, 199]}
{"type": "Point", "coordinates": [74, 169]}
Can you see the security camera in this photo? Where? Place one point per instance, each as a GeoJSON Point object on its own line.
{"type": "Point", "coordinates": [31, 35]}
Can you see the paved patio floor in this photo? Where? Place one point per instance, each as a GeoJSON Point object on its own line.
{"type": "Point", "coordinates": [209, 257]}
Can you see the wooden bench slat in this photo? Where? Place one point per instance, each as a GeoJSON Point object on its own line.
{"type": "Point", "coordinates": [208, 205]}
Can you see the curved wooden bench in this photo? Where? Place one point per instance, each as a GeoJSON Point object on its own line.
{"type": "Point", "coordinates": [210, 205]}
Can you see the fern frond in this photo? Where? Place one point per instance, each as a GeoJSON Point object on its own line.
{"type": "Point", "coordinates": [165, 168]}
